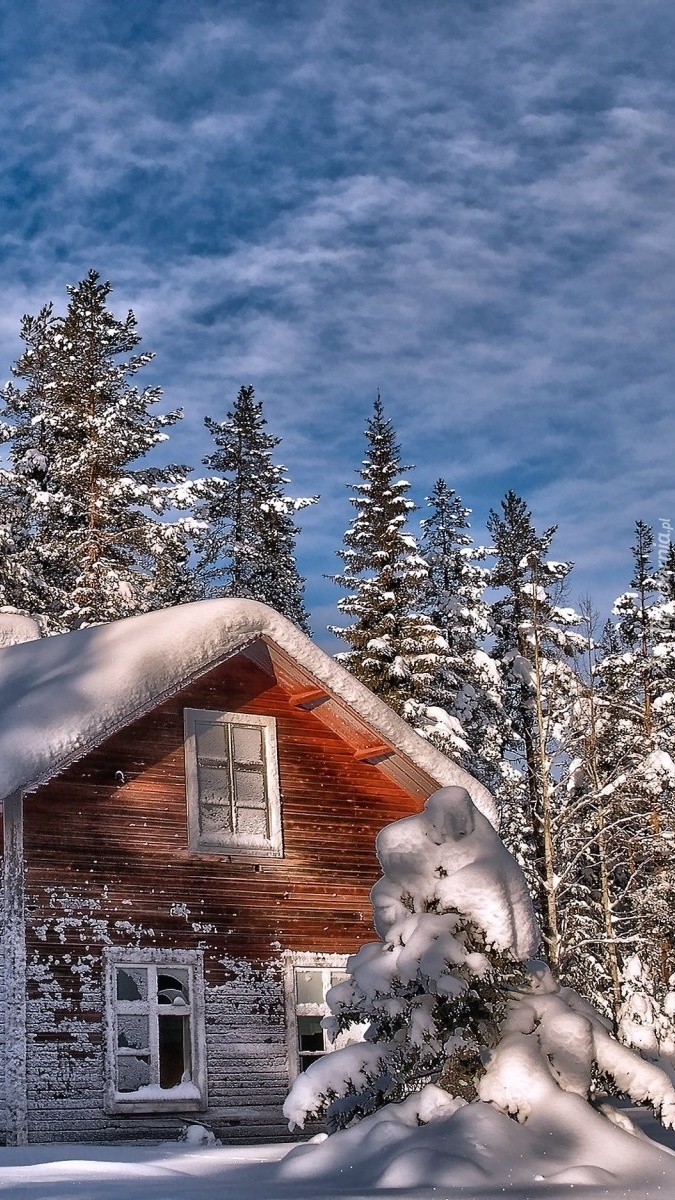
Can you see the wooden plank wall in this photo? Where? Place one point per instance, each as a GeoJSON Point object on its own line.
{"type": "Point", "coordinates": [110, 864]}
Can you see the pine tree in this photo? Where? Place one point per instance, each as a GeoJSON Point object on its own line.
{"type": "Point", "coordinates": [465, 684]}
{"type": "Point", "coordinates": [624, 783]}
{"type": "Point", "coordinates": [248, 548]}
{"type": "Point", "coordinates": [637, 755]}
{"type": "Point", "coordinates": [87, 524]}
{"type": "Point", "coordinates": [534, 641]}
{"type": "Point", "coordinates": [394, 647]}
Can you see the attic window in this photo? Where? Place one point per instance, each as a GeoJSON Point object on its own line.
{"type": "Point", "coordinates": [232, 783]}
{"type": "Point", "coordinates": [155, 1024]}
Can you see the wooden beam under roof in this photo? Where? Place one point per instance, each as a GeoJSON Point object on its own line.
{"type": "Point", "coordinates": [308, 697]}
{"type": "Point", "coordinates": [373, 754]}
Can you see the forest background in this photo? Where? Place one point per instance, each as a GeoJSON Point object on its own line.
{"type": "Point", "coordinates": [568, 718]}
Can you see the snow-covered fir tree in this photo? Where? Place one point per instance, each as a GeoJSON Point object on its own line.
{"type": "Point", "coordinates": [395, 647]}
{"type": "Point", "coordinates": [646, 1018]}
{"type": "Point", "coordinates": [248, 545]}
{"type": "Point", "coordinates": [534, 640]}
{"type": "Point", "coordinates": [634, 767]}
{"type": "Point", "coordinates": [463, 713]}
{"type": "Point", "coordinates": [450, 995]}
{"type": "Point", "coordinates": [85, 522]}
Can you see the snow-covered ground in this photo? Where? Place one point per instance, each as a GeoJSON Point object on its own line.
{"type": "Point", "coordinates": [477, 1154]}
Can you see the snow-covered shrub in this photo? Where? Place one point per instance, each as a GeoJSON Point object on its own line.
{"type": "Point", "coordinates": [455, 920]}
{"type": "Point", "coordinates": [452, 994]}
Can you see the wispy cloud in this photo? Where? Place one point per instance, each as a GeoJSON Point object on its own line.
{"type": "Point", "coordinates": [470, 207]}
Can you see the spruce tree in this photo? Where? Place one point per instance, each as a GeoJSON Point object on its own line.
{"type": "Point", "coordinates": [87, 527]}
{"type": "Point", "coordinates": [623, 781]}
{"type": "Point", "coordinates": [533, 646]}
{"type": "Point", "coordinates": [465, 683]}
{"type": "Point", "coordinates": [637, 756]}
{"type": "Point", "coordinates": [394, 647]}
{"type": "Point", "coordinates": [248, 546]}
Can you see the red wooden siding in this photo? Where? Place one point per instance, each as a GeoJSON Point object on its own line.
{"type": "Point", "coordinates": [84, 833]}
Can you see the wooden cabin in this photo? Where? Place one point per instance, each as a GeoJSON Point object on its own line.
{"type": "Point", "coordinates": [191, 803]}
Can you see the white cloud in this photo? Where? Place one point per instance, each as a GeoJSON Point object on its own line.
{"type": "Point", "coordinates": [472, 210]}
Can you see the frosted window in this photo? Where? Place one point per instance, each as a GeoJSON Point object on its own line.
{"type": "Point", "coordinates": [252, 821]}
{"type": "Point", "coordinates": [248, 744]}
{"type": "Point", "coordinates": [131, 984]}
{"type": "Point", "coordinates": [215, 821]}
{"type": "Point", "coordinates": [134, 1033]}
{"type": "Point", "coordinates": [232, 783]}
{"type": "Point", "coordinates": [214, 786]}
{"type": "Point", "coordinates": [250, 789]}
{"type": "Point", "coordinates": [211, 743]}
{"type": "Point", "coordinates": [132, 1074]}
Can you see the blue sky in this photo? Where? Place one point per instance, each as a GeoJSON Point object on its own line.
{"type": "Point", "coordinates": [468, 204]}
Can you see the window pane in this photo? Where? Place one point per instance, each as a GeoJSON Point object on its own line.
{"type": "Point", "coordinates": [310, 1034]}
{"type": "Point", "coordinates": [309, 986]}
{"type": "Point", "coordinates": [174, 988]}
{"type": "Point", "coordinates": [133, 1031]}
{"type": "Point", "coordinates": [338, 977]}
{"type": "Point", "coordinates": [215, 821]}
{"type": "Point", "coordinates": [214, 785]}
{"type": "Point", "coordinates": [174, 1050]}
{"type": "Point", "coordinates": [250, 787]}
{"type": "Point", "coordinates": [211, 741]}
{"type": "Point", "coordinates": [132, 1073]}
{"type": "Point", "coordinates": [132, 983]}
{"type": "Point", "coordinates": [306, 1060]}
{"type": "Point", "coordinates": [248, 744]}
{"type": "Point", "coordinates": [252, 821]}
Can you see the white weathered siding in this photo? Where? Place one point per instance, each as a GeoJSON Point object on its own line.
{"type": "Point", "coordinates": [3, 1054]}
{"type": "Point", "coordinates": [14, 971]}
{"type": "Point", "coordinates": [246, 1056]}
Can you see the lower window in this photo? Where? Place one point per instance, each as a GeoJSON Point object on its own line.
{"type": "Point", "coordinates": [155, 1019]}
{"type": "Point", "coordinates": [308, 978]}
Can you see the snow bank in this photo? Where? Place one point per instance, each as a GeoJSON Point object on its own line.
{"type": "Point", "coordinates": [473, 1148]}
{"type": "Point", "coordinates": [17, 627]}
{"type": "Point", "coordinates": [62, 695]}
{"type": "Point", "coordinates": [565, 1142]}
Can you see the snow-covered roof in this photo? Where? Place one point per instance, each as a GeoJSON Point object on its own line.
{"type": "Point", "coordinates": [62, 696]}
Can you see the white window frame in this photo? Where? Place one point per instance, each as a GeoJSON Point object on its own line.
{"type": "Point", "coordinates": [295, 961]}
{"type": "Point", "coordinates": [155, 960]}
{"type": "Point", "coordinates": [234, 843]}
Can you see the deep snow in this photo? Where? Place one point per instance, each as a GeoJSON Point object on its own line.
{"type": "Point", "coordinates": [477, 1154]}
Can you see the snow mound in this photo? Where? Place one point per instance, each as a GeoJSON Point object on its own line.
{"type": "Point", "coordinates": [564, 1142]}
{"type": "Point", "coordinates": [17, 627]}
